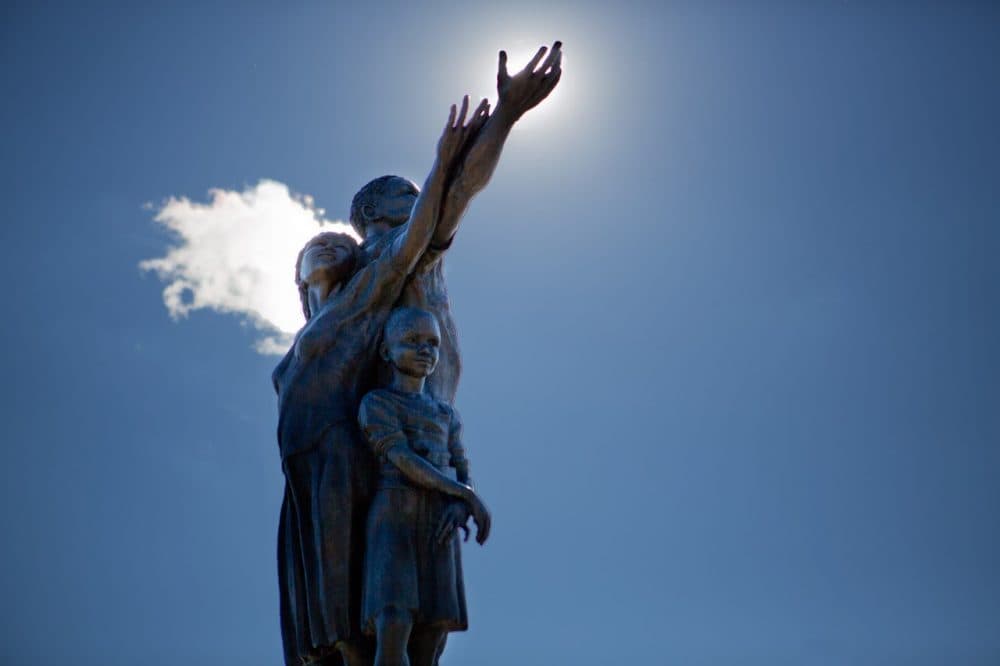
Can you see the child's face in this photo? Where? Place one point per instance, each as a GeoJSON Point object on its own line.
{"type": "Point", "coordinates": [412, 345]}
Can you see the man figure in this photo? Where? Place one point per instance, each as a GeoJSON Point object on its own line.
{"type": "Point", "coordinates": [379, 212]}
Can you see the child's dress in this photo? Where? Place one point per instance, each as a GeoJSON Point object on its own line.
{"type": "Point", "coordinates": [405, 567]}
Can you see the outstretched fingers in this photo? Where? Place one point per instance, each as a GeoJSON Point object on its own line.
{"type": "Point", "coordinates": [553, 72]}
{"type": "Point", "coordinates": [530, 67]}
{"type": "Point", "coordinates": [552, 78]}
{"type": "Point", "coordinates": [483, 108]}
{"type": "Point", "coordinates": [555, 57]}
{"type": "Point", "coordinates": [461, 116]}
{"type": "Point", "coordinates": [502, 74]}
{"type": "Point", "coordinates": [480, 115]}
{"type": "Point", "coordinates": [556, 65]}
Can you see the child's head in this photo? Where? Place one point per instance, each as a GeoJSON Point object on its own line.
{"type": "Point", "coordinates": [411, 341]}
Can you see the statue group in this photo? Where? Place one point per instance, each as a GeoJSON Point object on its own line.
{"type": "Point", "coordinates": [377, 485]}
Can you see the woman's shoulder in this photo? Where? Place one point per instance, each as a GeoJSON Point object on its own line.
{"type": "Point", "coordinates": [279, 370]}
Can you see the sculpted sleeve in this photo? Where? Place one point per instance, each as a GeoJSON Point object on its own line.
{"type": "Point", "coordinates": [379, 421]}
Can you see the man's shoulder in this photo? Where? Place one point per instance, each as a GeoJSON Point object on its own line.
{"type": "Point", "coordinates": [373, 266]}
{"type": "Point", "coordinates": [373, 247]}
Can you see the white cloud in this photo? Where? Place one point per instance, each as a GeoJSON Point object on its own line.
{"type": "Point", "coordinates": [236, 254]}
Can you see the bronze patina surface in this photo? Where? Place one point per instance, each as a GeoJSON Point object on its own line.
{"type": "Point", "coordinates": [377, 484]}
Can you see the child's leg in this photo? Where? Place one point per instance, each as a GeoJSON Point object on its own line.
{"type": "Point", "coordinates": [426, 645]}
{"type": "Point", "coordinates": [392, 633]}
{"type": "Point", "coordinates": [440, 650]}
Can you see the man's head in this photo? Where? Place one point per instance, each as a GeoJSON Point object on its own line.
{"type": "Point", "coordinates": [384, 202]}
{"type": "Point", "coordinates": [329, 257]}
{"type": "Point", "coordinates": [411, 341]}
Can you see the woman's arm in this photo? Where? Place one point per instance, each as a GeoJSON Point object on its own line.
{"type": "Point", "coordinates": [412, 242]}
{"type": "Point", "coordinates": [371, 284]}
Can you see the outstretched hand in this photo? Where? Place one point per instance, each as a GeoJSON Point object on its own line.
{"type": "Point", "coordinates": [457, 132]}
{"type": "Point", "coordinates": [526, 89]}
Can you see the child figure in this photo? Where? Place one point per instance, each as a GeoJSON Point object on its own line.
{"type": "Point", "coordinates": [413, 592]}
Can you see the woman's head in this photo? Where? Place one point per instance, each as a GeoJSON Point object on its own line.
{"type": "Point", "coordinates": [327, 259]}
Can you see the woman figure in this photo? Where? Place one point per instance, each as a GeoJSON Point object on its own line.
{"type": "Point", "coordinates": [328, 469]}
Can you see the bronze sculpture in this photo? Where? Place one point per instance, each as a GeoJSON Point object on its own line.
{"type": "Point", "coordinates": [347, 294]}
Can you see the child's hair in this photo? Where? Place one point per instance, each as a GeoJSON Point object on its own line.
{"type": "Point", "coordinates": [402, 315]}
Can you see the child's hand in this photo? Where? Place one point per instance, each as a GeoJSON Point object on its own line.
{"type": "Point", "coordinates": [455, 515]}
{"type": "Point", "coordinates": [481, 515]}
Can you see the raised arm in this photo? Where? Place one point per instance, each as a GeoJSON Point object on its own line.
{"type": "Point", "coordinates": [400, 258]}
{"type": "Point", "coordinates": [411, 243]}
{"type": "Point", "coordinates": [517, 94]}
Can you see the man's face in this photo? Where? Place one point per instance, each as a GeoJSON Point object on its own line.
{"type": "Point", "coordinates": [327, 259]}
{"type": "Point", "coordinates": [394, 206]}
{"type": "Point", "coordinates": [412, 344]}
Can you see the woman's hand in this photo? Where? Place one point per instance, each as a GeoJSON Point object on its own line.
{"type": "Point", "coordinates": [457, 134]}
{"type": "Point", "coordinates": [455, 516]}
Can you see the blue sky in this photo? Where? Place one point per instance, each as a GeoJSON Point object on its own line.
{"type": "Point", "coordinates": [728, 311]}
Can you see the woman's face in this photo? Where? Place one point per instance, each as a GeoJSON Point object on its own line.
{"type": "Point", "coordinates": [326, 259]}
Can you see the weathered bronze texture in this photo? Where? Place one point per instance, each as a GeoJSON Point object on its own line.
{"type": "Point", "coordinates": [408, 597]}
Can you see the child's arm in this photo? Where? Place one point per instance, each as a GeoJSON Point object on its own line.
{"type": "Point", "coordinates": [381, 427]}
{"type": "Point", "coordinates": [457, 514]}
{"type": "Point", "coordinates": [419, 471]}
{"type": "Point", "coordinates": [379, 421]}
{"type": "Point", "coordinates": [457, 450]}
